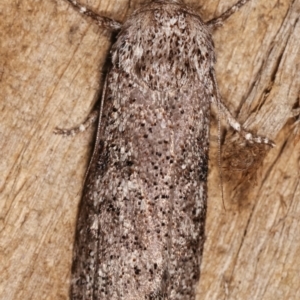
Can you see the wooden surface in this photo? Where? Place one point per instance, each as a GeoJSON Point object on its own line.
{"type": "Point", "coordinates": [50, 72]}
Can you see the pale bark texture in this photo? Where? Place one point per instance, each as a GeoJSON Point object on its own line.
{"type": "Point", "coordinates": [52, 64]}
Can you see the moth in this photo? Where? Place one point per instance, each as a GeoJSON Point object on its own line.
{"type": "Point", "coordinates": [141, 222]}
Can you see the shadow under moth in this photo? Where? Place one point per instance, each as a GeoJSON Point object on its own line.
{"type": "Point", "coordinates": [140, 228]}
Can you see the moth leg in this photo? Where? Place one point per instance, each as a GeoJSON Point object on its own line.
{"type": "Point", "coordinates": [247, 135]}
{"type": "Point", "coordinates": [101, 21]}
{"type": "Point", "coordinates": [91, 118]}
{"type": "Point", "coordinates": [217, 22]}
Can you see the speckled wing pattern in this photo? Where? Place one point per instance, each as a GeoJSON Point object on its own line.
{"type": "Point", "coordinates": [140, 230]}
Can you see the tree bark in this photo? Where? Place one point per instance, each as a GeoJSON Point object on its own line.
{"type": "Point", "coordinates": [52, 62]}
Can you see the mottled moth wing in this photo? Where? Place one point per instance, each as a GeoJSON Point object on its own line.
{"type": "Point", "coordinates": [140, 230]}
